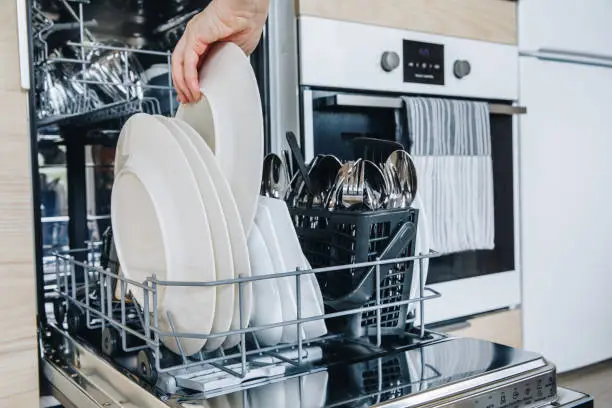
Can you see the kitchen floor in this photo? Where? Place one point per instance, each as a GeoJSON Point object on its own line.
{"type": "Point", "coordinates": [595, 380]}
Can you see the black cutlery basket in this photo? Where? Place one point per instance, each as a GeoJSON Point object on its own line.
{"type": "Point", "coordinates": [335, 238]}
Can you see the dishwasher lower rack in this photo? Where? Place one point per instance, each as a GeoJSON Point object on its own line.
{"type": "Point", "coordinates": [93, 306]}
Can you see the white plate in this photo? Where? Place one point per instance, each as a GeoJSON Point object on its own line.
{"type": "Point", "coordinates": [224, 264]}
{"type": "Point", "coordinates": [267, 307]}
{"type": "Point", "coordinates": [293, 257]}
{"type": "Point", "coordinates": [292, 393]}
{"type": "Point", "coordinates": [314, 390]}
{"type": "Point", "coordinates": [263, 220]}
{"type": "Point", "coordinates": [268, 396]}
{"type": "Point", "coordinates": [237, 399]}
{"type": "Point", "coordinates": [238, 240]}
{"type": "Point", "coordinates": [220, 402]}
{"type": "Point", "coordinates": [152, 161]}
{"type": "Point", "coordinates": [229, 117]}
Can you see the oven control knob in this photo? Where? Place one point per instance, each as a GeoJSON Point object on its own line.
{"type": "Point", "coordinates": [389, 61]}
{"type": "Point", "coordinates": [461, 68]}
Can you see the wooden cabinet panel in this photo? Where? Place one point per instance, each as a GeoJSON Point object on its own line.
{"type": "Point", "coordinates": [502, 327]}
{"type": "Point", "coordinates": [9, 47]}
{"type": "Point", "coordinates": [488, 20]}
{"type": "Point", "coordinates": [19, 379]}
{"type": "Point", "coordinates": [18, 345]}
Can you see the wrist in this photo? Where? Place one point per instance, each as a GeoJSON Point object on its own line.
{"type": "Point", "coordinates": [241, 10]}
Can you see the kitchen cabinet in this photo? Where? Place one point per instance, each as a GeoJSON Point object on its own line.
{"type": "Point", "coordinates": [566, 220]}
{"type": "Point", "coordinates": [487, 20]}
{"type": "Point", "coordinates": [566, 82]}
{"type": "Point", "coordinates": [576, 25]}
{"type": "Point", "coordinates": [18, 344]}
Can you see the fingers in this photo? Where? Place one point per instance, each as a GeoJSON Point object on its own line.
{"type": "Point", "coordinates": [190, 67]}
{"type": "Point", "coordinates": [178, 77]}
{"type": "Point", "coordinates": [185, 62]}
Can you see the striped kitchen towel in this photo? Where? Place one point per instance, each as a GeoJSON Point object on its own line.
{"type": "Point", "coordinates": [452, 153]}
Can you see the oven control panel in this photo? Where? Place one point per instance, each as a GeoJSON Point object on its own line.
{"type": "Point", "coordinates": [423, 62]}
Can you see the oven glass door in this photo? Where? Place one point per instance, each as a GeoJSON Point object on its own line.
{"type": "Point", "coordinates": [332, 130]}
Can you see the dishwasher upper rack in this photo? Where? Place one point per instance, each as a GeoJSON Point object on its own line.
{"type": "Point", "coordinates": [85, 109]}
{"type": "Point", "coordinates": [87, 113]}
{"type": "Point", "coordinates": [117, 324]}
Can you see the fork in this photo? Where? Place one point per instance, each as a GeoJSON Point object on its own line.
{"type": "Point", "coordinates": [352, 190]}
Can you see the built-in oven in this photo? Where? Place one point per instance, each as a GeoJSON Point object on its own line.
{"type": "Point", "coordinates": [355, 80]}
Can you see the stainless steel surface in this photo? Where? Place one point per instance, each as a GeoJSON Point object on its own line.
{"type": "Point", "coordinates": [117, 74]}
{"type": "Point", "coordinates": [402, 177]}
{"type": "Point", "coordinates": [323, 171]}
{"type": "Point", "coordinates": [353, 186]}
{"type": "Point", "coordinates": [282, 41]}
{"type": "Point", "coordinates": [299, 160]}
{"type": "Point", "coordinates": [425, 376]}
{"type": "Point", "coordinates": [572, 399]}
{"type": "Point", "coordinates": [275, 181]}
{"type": "Point", "coordinates": [368, 101]}
{"type": "Point", "coordinates": [307, 110]}
{"type": "Point", "coordinates": [333, 198]}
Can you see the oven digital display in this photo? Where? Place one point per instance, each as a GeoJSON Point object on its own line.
{"type": "Point", "coordinates": [423, 62]}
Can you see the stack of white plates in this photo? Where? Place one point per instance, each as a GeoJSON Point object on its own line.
{"type": "Point", "coordinates": [185, 198]}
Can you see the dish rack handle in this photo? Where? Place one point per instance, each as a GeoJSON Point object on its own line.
{"type": "Point", "coordinates": [394, 248]}
{"type": "Point", "coordinates": [399, 242]}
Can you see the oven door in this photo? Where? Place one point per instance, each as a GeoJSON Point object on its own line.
{"type": "Point", "coordinates": [471, 282]}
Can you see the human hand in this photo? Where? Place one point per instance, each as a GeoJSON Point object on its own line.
{"type": "Point", "coordinates": [237, 21]}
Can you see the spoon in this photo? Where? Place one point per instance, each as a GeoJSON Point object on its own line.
{"type": "Point", "coordinates": [401, 169]}
{"type": "Point", "coordinates": [275, 180]}
{"type": "Point", "coordinates": [375, 186]}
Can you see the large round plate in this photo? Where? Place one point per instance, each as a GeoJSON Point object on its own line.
{"type": "Point", "coordinates": [150, 153]}
{"type": "Point", "coordinates": [224, 264]}
{"type": "Point", "coordinates": [287, 287]}
{"type": "Point", "coordinates": [238, 240]}
{"type": "Point", "coordinates": [293, 257]}
{"type": "Point", "coordinates": [229, 118]}
{"type": "Point", "coordinates": [267, 306]}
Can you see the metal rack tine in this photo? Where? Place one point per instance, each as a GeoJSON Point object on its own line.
{"type": "Point", "coordinates": [227, 370]}
{"type": "Point", "coordinates": [123, 315]}
{"type": "Point", "coordinates": [378, 310]}
{"type": "Point", "coordinates": [242, 326]}
{"type": "Point", "coordinates": [145, 306]}
{"type": "Point", "coordinates": [298, 297]}
{"type": "Point", "coordinates": [102, 300]}
{"type": "Point", "coordinates": [421, 294]}
{"type": "Point", "coordinates": [285, 359]}
{"type": "Point", "coordinates": [178, 343]}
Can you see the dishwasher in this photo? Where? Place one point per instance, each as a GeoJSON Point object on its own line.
{"type": "Point", "coordinates": [96, 63]}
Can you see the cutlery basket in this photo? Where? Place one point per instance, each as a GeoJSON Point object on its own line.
{"type": "Point", "coordinates": [334, 238]}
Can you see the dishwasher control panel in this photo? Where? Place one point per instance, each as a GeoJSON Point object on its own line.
{"type": "Point", "coordinates": [525, 393]}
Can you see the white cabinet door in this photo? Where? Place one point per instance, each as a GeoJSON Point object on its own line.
{"type": "Point", "coordinates": [566, 211]}
{"type": "Point", "coordinates": [575, 25]}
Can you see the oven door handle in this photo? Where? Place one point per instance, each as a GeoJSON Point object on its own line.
{"type": "Point", "coordinates": [390, 102]}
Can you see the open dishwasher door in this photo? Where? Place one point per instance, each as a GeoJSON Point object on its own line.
{"type": "Point", "coordinates": [441, 372]}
